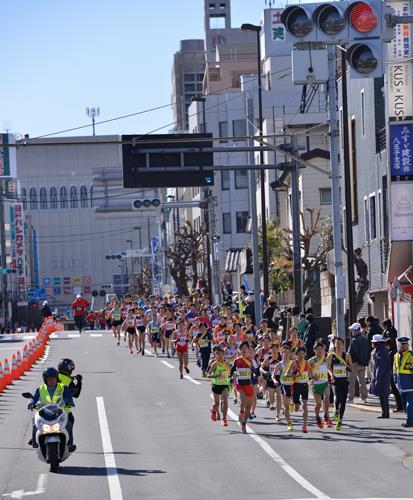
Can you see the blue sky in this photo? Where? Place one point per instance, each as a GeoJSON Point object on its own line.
{"type": "Point", "coordinates": [61, 56]}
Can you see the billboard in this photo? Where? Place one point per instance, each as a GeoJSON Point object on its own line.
{"type": "Point", "coordinates": [401, 196]}
{"type": "Point", "coordinates": [401, 151]}
{"type": "Point", "coordinates": [167, 160]}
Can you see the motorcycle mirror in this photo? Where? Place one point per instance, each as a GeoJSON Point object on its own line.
{"type": "Point", "coordinates": [27, 395]}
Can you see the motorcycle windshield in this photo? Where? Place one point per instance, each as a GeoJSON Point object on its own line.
{"type": "Point", "coordinates": [50, 413]}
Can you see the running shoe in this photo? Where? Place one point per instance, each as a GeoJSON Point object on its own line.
{"type": "Point", "coordinates": [187, 370]}
{"type": "Point", "coordinates": [241, 416]}
{"type": "Point", "coordinates": [250, 417]}
{"type": "Point", "coordinates": [336, 416]}
{"type": "Point", "coordinates": [277, 418]}
{"type": "Point", "coordinates": [131, 352]}
{"type": "Point", "coordinates": [181, 376]}
{"type": "Point", "coordinates": [291, 407]}
{"type": "Point", "coordinates": [204, 375]}
{"type": "Point", "coordinates": [319, 423]}
{"type": "Point", "coordinates": [156, 354]}
{"type": "Point", "coordinates": [118, 344]}
{"type": "Point", "coordinates": [213, 415]}
{"type": "Point", "coordinates": [168, 355]}
{"type": "Point", "coordinates": [224, 422]}
{"type": "Point", "coordinates": [218, 416]}
{"type": "Point", "coordinates": [290, 427]}
{"type": "Point", "coordinates": [338, 426]}
{"type": "Point", "coordinates": [244, 428]}
{"type": "Point", "coordinates": [143, 352]}
{"type": "Point", "coordinates": [328, 421]}
{"type": "Point", "coordinates": [198, 363]}
{"type": "Point", "coordinates": [272, 408]}
{"type": "Point", "coordinates": [305, 429]}
{"type": "Point", "coordinates": [364, 401]}
{"type": "Point", "coordinates": [268, 403]}
{"type": "Point", "coordinates": [253, 415]}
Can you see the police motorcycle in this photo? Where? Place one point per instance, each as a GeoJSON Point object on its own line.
{"type": "Point", "coordinates": [51, 433]}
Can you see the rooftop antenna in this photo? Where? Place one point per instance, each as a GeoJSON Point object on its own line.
{"type": "Point", "coordinates": [93, 113]}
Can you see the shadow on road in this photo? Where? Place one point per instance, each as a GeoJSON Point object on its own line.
{"type": "Point", "coordinates": [101, 471]}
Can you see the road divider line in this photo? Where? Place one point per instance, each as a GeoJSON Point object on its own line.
{"type": "Point", "coordinates": [96, 334]}
{"type": "Point", "coordinates": [73, 335]}
{"type": "Point", "coordinates": [188, 377]}
{"type": "Point", "coordinates": [167, 364]}
{"type": "Point", "coordinates": [111, 469]}
{"type": "Point", "coordinates": [298, 478]}
{"type": "Point", "coordinates": [29, 337]}
{"type": "Point", "coordinates": [149, 353]}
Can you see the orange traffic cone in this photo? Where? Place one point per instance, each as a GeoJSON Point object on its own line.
{"type": "Point", "coordinates": [20, 369]}
{"type": "Point", "coordinates": [26, 364]}
{"type": "Point", "coordinates": [14, 373]}
{"type": "Point", "coordinates": [2, 379]}
{"type": "Point", "coordinates": [7, 374]}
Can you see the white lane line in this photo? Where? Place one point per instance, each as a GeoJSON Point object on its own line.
{"type": "Point", "coordinates": [53, 336]}
{"type": "Point", "coordinates": [29, 337]}
{"type": "Point", "coordinates": [167, 364]}
{"type": "Point", "coordinates": [45, 355]}
{"type": "Point", "coordinates": [96, 335]}
{"type": "Point", "coordinates": [149, 353]}
{"type": "Point", "coordinates": [188, 377]}
{"type": "Point", "coordinates": [281, 462]}
{"type": "Point", "coordinates": [40, 489]}
{"type": "Point", "coordinates": [111, 469]}
{"type": "Point", "coordinates": [73, 335]}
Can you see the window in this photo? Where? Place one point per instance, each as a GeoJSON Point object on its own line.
{"type": "Point", "coordinates": [225, 180]}
{"type": "Point", "coordinates": [189, 77]}
{"type": "Point", "coordinates": [43, 198]}
{"type": "Point", "coordinates": [200, 77]}
{"type": "Point", "coordinates": [63, 197]}
{"type": "Point", "coordinates": [24, 198]}
{"type": "Point", "coordinates": [222, 5]}
{"type": "Point", "coordinates": [216, 22]}
{"type": "Point", "coordinates": [241, 179]}
{"type": "Point", "coordinates": [242, 222]}
{"type": "Point", "coordinates": [211, 6]}
{"type": "Point", "coordinates": [53, 198]}
{"type": "Point", "coordinates": [33, 199]}
{"type": "Point", "coordinates": [239, 128]}
{"type": "Point", "coordinates": [73, 197]}
{"type": "Point", "coordinates": [325, 196]}
{"type": "Point", "coordinates": [226, 223]}
{"type": "Point", "coordinates": [363, 114]}
{"type": "Point", "coordinates": [366, 220]}
{"type": "Point", "coordinates": [223, 131]}
{"type": "Point", "coordinates": [83, 197]}
{"type": "Point", "coordinates": [190, 87]}
{"type": "Point", "coordinates": [373, 219]}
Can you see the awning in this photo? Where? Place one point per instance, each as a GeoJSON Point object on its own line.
{"type": "Point", "coordinates": [400, 258]}
{"type": "Point", "coordinates": [232, 260]}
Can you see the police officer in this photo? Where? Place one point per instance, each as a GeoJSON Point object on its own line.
{"type": "Point", "coordinates": [66, 367]}
{"type": "Point", "coordinates": [403, 376]}
{"type": "Point", "coordinates": [51, 392]}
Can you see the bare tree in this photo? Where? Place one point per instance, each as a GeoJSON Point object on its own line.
{"type": "Point", "coordinates": [185, 253]}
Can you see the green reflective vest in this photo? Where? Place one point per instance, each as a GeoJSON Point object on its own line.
{"type": "Point", "coordinates": [58, 395]}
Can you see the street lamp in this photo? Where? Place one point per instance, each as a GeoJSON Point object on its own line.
{"type": "Point", "coordinates": [257, 30]}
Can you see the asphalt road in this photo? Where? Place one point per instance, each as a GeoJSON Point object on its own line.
{"type": "Point", "coordinates": [143, 433]}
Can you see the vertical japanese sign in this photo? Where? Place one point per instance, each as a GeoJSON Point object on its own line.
{"type": "Point", "coordinates": [4, 156]}
{"type": "Point", "coordinates": [20, 250]}
{"type": "Point", "coordinates": [156, 270]}
{"type": "Point", "coordinates": [35, 258]}
{"type": "Point", "coordinates": [401, 151]}
{"type": "Point", "coordinates": [277, 28]}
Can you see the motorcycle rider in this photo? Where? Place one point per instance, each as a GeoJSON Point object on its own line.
{"type": "Point", "coordinates": [51, 392]}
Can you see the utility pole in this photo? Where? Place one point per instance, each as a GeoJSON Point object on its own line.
{"type": "Point", "coordinates": [3, 259]}
{"type": "Point", "coordinates": [335, 191]}
{"type": "Point", "coordinates": [295, 213]}
{"type": "Point", "coordinates": [254, 221]}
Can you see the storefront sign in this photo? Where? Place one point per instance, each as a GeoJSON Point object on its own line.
{"type": "Point", "coordinates": [400, 102]}
{"type": "Point", "coordinates": [20, 250]}
{"type": "Point", "coordinates": [401, 194]}
{"type": "Point", "coordinates": [401, 151]}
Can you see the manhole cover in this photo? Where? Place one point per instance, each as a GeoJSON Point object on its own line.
{"type": "Point", "coordinates": [408, 463]}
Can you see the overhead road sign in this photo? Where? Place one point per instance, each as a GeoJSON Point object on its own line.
{"type": "Point", "coordinates": [141, 154]}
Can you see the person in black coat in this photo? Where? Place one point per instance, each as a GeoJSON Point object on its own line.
{"type": "Point", "coordinates": [311, 334]}
{"type": "Point", "coordinates": [46, 310]}
{"type": "Point", "coordinates": [373, 328]}
{"type": "Point", "coordinates": [390, 339]}
{"type": "Point", "coordinates": [381, 374]}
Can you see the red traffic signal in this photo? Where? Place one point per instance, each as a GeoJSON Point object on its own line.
{"type": "Point", "coordinates": [362, 18]}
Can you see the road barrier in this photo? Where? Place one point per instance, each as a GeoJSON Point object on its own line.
{"type": "Point", "coordinates": [32, 352]}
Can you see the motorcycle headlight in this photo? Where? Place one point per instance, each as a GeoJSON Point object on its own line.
{"type": "Point", "coordinates": [47, 428]}
{"type": "Point", "coordinates": [56, 427]}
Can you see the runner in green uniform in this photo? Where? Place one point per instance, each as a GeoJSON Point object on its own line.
{"type": "Point", "coordinates": [318, 370]}
{"type": "Point", "coordinates": [219, 372]}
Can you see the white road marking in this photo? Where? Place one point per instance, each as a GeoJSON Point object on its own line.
{"type": "Point", "coordinates": [40, 489]}
{"type": "Point", "coordinates": [188, 377]}
{"type": "Point", "coordinates": [53, 336]}
{"type": "Point", "coordinates": [111, 469]}
{"type": "Point", "coordinates": [366, 498]}
{"type": "Point", "coordinates": [296, 476]}
{"type": "Point", "coordinates": [73, 335]}
{"type": "Point", "coordinates": [45, 355]}
{"type": "Point", "coordinates": [96, 334]}
{"type": "Point", "coordinates": [149, 353]}
{"type": "Point", "coordinates": [29, 337]}
{"type": "Point", "coordinates": [167, 364]}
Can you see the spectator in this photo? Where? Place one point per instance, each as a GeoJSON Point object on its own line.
{"type": "Point", "coordinates": [46, 310]}
{"type": "Point", "coordinates": [301, 325]}
{"type": "Point", "coordinates": [269, 312]}
{"type": "Point", "coordinates": [390, 338]}
{"type": "Point", "coordinates": [373, 328]}
{"type": "Point", "coordinates": [362, 322]}
{"type": "Point", "coordinates": [360, 356]}
{"type": "Point", "coordinates": [381, 374]}
{"type": "Point", "coordinates": [311, 333]}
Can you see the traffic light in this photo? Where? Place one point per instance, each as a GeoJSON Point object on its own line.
{"type": "Point", "coordinates": [146, 204]}
{"type": "Point", "coordinates": [360, 25]}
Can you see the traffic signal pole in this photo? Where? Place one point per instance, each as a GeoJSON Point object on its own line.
{"type": "Point", "coordinates": [335, 190]}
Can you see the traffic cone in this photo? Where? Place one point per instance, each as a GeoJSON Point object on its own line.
{"type": "Point", "coordinates": [2, 379]}
{"type": "Point", "coordinates": [26, 364]}
{"type": "Point", "coordinates": [20, 369]}
{"type": "Point", "coordinates": [7, 374]}
{"type": "Point", "coordinates": [30, 349]}
{"type": "Point", "coordinates": [14, 373]}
